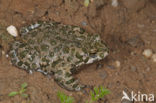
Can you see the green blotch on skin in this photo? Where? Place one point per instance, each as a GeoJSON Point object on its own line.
{"type": "Point", "coordinates": [45, 70]}
{"type": "Point", "coordinates": [56, 62]}
{"type": "Point", "coordinates": [70, 81]}
{"type": "Point", "coordinates": [84, 50]}
{"type": "Point", "coordinates": [69, 59]}
{"type": "Point", "coordinates": [52, 42]}
{"type": "Point", "coordinates": [82, 30]}
{"type": "Point", "coordinates": [100, 49]}
{"type": "Point", "coordinates": [66, 49]}
{"type": "Point", "coordinates": [102, 55]}
{"type": "Point", "coordinates": [31, 41]}
{"type": "Point", "coordinates": [78, 62]}
{"type": "Point", "coordinates": [20, 63]}
{"type": "Point", "coordinates": [12, 55]}
{"type": "Point", "coordinates": [78, 55]}
{"type": "Point", "coordinates": [72, 51]}
{"type": "Point", "coordinates": [22, 45]}
{"type": "Point", "coordinates": [14, 61]}
{"type": "Point", "coordinates": [58, 79]}
{"type": "Point", "coordinates": [23, 53]}
{"type": "Point", "coordinates": [86, 60]}
{"type": "Point", "coordinates": [58, 38]}
{"type": "Point", "coordinates": [75, 85]}
{"type": "Point", "coordinates": [30, 59]}
{"type": "Point", "coordinates": [33, 56]}
{"type": "Point", "coordinates": [51, 54]}
{"type": "Point", "coordinates": [34, 66]}
{"type": "Point", "coordinates": [59, 72]}
{"type": "Point", "coordinates": [67, 74]}
{"type": "Point", "coordinates": [27, 64]}
{"type": "Point", "coordinates": [44, 47]}
{"type": "Point", "coordinates": [37, 48]}
{"type": "Point", "coordinates": [45, 60]}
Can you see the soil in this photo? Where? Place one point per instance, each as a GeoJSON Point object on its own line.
{"type": "Point", "coordinates": [127, 29]}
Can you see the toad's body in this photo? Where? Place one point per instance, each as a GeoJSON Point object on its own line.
{"type": "Point", "coordinates": [56, 48]}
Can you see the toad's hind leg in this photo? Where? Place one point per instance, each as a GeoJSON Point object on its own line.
{"type": "Point", "coordinates": [67, 81]}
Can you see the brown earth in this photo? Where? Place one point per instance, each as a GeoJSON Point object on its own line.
{"type": "Point", "coordinates": [128, 29]}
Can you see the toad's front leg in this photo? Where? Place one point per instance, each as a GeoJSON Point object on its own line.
{"type": "Point", "coordinates": [66, 80]}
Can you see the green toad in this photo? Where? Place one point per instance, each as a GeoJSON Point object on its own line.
{"type": "Point", "coordinates": [58, 49]}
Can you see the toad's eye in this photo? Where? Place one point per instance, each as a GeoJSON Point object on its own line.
{"type": "Point", "coordinates": [93, 55]}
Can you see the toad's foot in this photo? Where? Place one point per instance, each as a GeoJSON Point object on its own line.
{"type": "Point", "coordinates": [67, 81]}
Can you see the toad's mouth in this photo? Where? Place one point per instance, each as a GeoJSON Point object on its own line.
{"type": "Point", "coordinates": [95, 58]}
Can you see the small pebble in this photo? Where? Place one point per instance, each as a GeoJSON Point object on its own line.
{"type": "Point", "coordinates": [135, 41]}
{"type": "Point", "coordinates": [84, 23]}
{"type": "Point", "coordinates": [153, 21]}
{"type": "Point", "coordinates": [12, 30]}
{"type": "Point", "coordinates": [133, 68]}
{"type": "Point", "coordinates": [147, 42]}
{"type": "Point", "coordinates": [3, 52]}
{"type": "Point", "coordinates": [148, 69]}
{"type": "Point", "coordinates": [117, 63]}
{"type": "Point", "coordinates": [118, 83]}
{"type": "Point", "coordinates": [147, 53]}
{"type": "Point", "coordinates": [133, 53]}
{"type": "Point", "coordinates": [154, 30]}
{"type": "Point", "coordinates": [154, 58]}
{"type": "Point", "coordinates": [114, 3]}
{"type": "Point", "coordinates": [140, 25]}
{"type": "Point", "coordinates": [103, 74]}
{"type": "Point", "coordinates": [6, 55]}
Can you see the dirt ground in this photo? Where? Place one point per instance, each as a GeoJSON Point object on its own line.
{"type": "Point", "coordinates": [127, 29]}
